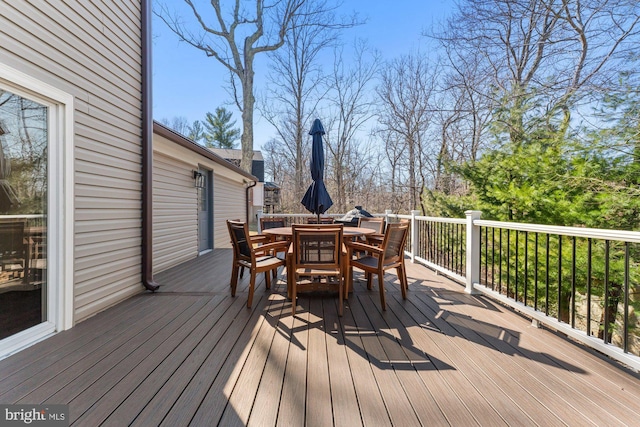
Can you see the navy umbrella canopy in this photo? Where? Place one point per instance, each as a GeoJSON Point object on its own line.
{"type": "Point", "coordinates": [317, 199]}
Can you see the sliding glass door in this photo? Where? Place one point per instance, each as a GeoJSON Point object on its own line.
{"type": "Point", "coordinates": [24, 140]}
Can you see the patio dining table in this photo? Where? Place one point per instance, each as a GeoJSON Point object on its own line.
{"type": "Point", "coordinates": [287, 232]}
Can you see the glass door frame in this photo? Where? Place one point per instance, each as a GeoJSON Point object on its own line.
{"type": "Point", "coordinates": [60, 206]}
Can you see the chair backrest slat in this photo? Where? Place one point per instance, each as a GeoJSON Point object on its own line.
{"type": "Point", "coordinates": [394, 241]}
{"type": "Point", "coordinates": [375, 223]}
{"type": "Point", "coordinates": [317, 246]}
{"type": "Point", "coordinates": [12, 238]}
{"type": "Point", "coordinates": [323, 220]}
{"type": "Point", "coordinates": [267, 223]}
{"type": "Point", "coordinates": [239, 233]}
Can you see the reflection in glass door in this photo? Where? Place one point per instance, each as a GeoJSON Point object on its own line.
{"type": "Point", "coordinates": [23, 213]}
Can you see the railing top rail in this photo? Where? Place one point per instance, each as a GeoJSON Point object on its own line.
{"type": "Point", "coordinates": [32, 216]}
{"type": "Point", "coordinates": [397, 216]}
{"type": "Point", "coordinates": [594, 233]}
{"type": "Point", "coordinates": [302, 215]}
{"type": "Point", "coordinates": [441, 219]}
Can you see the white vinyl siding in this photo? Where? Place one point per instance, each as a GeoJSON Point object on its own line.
{"type": "Point", "coordinates": [92, 50]}
{"type": "Point", "coordinates": [175, 217]}
{"type": "Point", "coordinates": [228, 203]}
{"type": "Point", "coordinates": [175, 208]}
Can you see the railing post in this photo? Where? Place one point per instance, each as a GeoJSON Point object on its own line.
{"type": "Point", "coordinates": [473, 252]}
{"type": "Point", "coordinates": [414, 235]}
{"type": "Point", "coordinates": [387, 212]}
{"type": "Point", "coordinates": [260, 215]}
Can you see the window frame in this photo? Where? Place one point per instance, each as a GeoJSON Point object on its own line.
{"type": "Point", "coordinates": [60, 206]}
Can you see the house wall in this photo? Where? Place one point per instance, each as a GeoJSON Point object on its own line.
{"type": "Point", "coordinates": [228, 203]}
{"type": "Point", "coordinates": [92, 50]}
{"type": "Point", "coordinates": [175, 218]}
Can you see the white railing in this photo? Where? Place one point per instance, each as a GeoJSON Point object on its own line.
{"type": "Point", "coordinates": [554, 275]}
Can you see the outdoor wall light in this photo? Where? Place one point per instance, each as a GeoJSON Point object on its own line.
{"type": "Point", "coordinates": [199, 179]}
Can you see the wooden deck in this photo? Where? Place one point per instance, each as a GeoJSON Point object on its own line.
{"type": "Point", "coordinates": [192, 355]}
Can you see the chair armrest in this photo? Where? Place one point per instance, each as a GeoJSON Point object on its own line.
{"type": "Point", "coordinates": [361, 247]}
{"type": "Point", "coordinates": [279, 246]}
{"type": "Point", "coordinates": [260, 238]}
{"type": "Point", "coordinates": [344, 249]}
{"type": "Point", "coordinates": [377, 238]}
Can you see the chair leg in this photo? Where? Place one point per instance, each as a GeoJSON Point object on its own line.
{"type": "Point", "coordinates": [267, 279]}
{"type": "Point", "coordinates": [294, 290]}
{"type": "Point", "coordinates": [383, 302]}
{"type": "Point", "coordinates": [369, 277]}
{"type": "Point", "coordinates": [289, 281]}
{"type": "Point", "coordinates": [348, 282]}
{"type": "Point", "coordinates": [252, 285]}
{"type": "Point", "coordinates": [234, 280]}
{"type": "Point", "coordinates": [340, 295]}
{"type": "Point", "coordinates": [402, 276]}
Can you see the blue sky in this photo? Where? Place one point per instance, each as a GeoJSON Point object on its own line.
{"type": "Point", "coordinates": [189, 84]}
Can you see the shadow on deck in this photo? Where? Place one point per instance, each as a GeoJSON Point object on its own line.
{"type": "Point", "coordinates": [190, 354]}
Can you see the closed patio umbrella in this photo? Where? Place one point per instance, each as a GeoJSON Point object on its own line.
{"type": "Point", "coordinates": [317, 199]}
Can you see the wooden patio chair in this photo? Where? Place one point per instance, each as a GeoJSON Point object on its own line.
{"type": "Point", "coordinates": [267, 222]}
{"type": "Point", "coordinates": [255, 254]}
{"type": "Point", "coordinates": [375, 223]}
{"type": "Point", "coordinates": [317, 261]}
{"type": "Point", "coordinates": [323, 220]}
{"type": "Point", "coordinates": [257, 240]}
{"type": "Point", "coordinates": [13, 250]}
{"type": "Point", "coordinates": [378, 259]}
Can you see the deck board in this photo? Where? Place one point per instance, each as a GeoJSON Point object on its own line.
{"type": "Point", "coordinates": [265, 406]}
{"type": "Point", "coordinates": [318, 397]}
{"type": "Point", "coordinates": [343, 394]}
{"type": "Point", "coordinates": [291, 409]}
{"type": "Point", "coordinates": [398, 407]}
{"type": "Point", "coordinates": [370, 400]}
{"type": "Point", "coordinates": [190, 354]}
{"type": "Point", "coordinates": [92, 384]}
{"type": "Point", "coordinates": [203, 397]}
{"type": "Point", "coordinates": [157, 368]}
{"type": "Point", "coordinates": [41, 384]}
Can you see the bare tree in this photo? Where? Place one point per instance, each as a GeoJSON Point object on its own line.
{"type": "Point", "coordinates": [543, 56]}
{"type": "Point", "coordinates": [600, 36]}
{"type": "Point", "coordinates": [350, 108]}
{"type": "Point", "coordinates": [295, 82]}
{"type": "Point", "coordinates": [395, 152]}
{"type": "Point", "coordinates": [462, 113]}
{"type": "Point", "coordinates": [278, 167]}
{"type": "Point", "coordinates": [234, 34]}
{"type": "Point", "coordinates": [406, 91]}
{"type": "Point", "coordinates": [179, 124]}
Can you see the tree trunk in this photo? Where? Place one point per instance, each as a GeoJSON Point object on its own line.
{"type": "Point", "coordinates": [248, 103]}
{"type": "Point", "coordinates": [299, 172]}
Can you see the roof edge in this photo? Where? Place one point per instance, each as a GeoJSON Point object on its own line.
{"type": "Point", "coordinates": [181, 140]}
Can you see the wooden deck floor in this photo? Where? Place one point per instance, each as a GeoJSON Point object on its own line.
{"type": "Point", "coordinates": [192, 355]}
